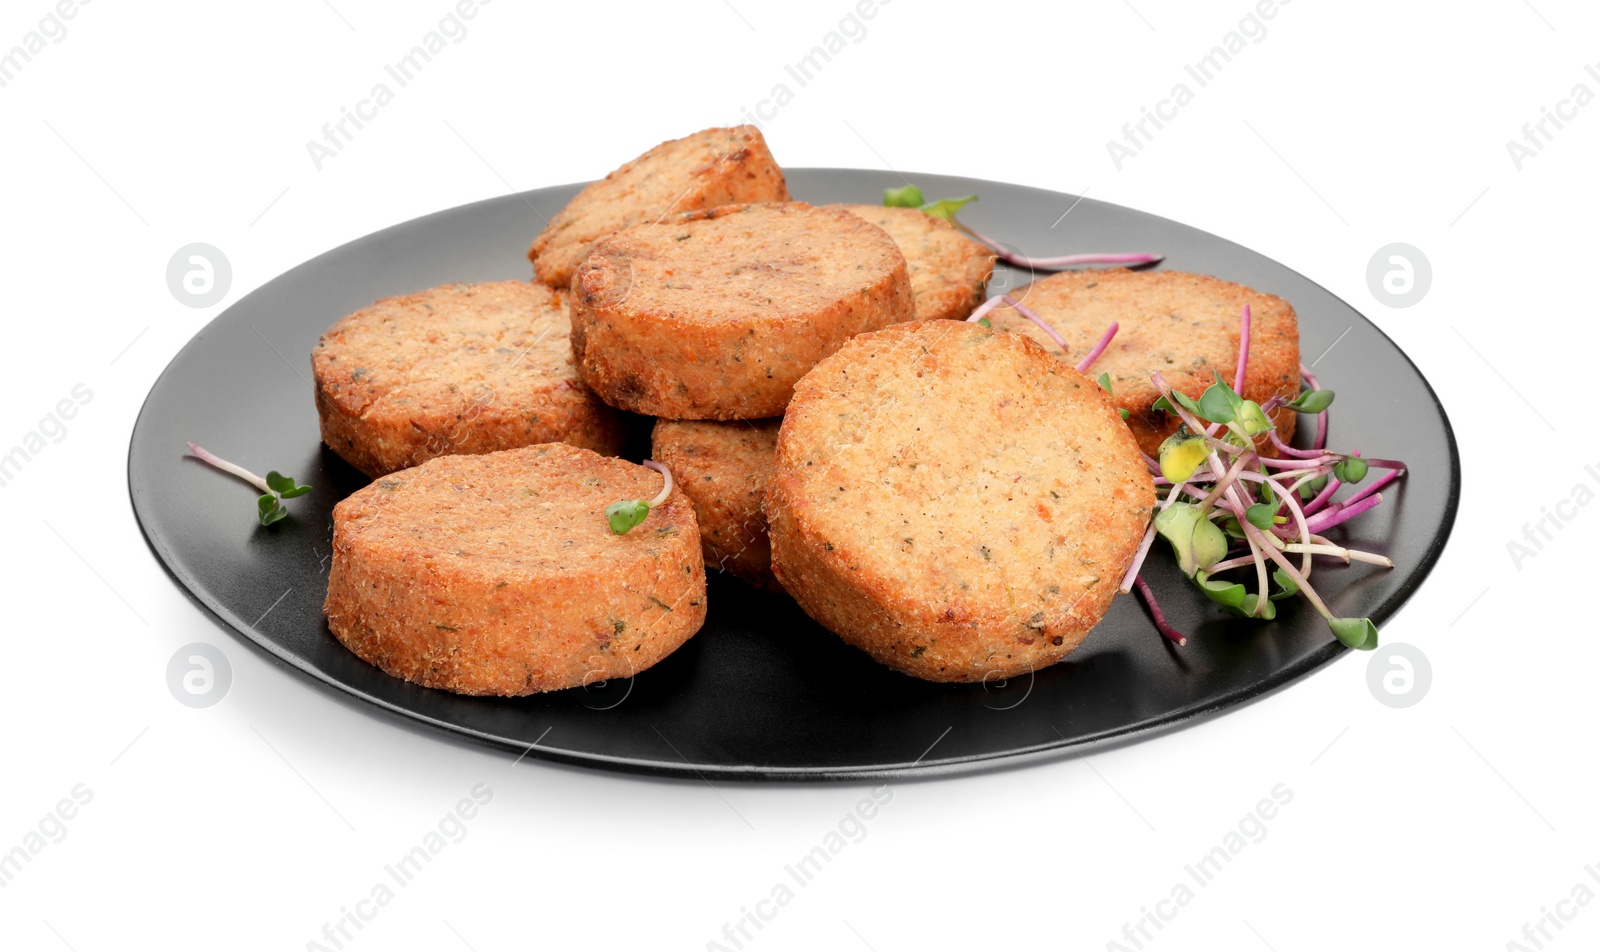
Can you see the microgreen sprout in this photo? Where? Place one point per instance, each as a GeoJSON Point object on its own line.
{"type": "Point", "coordinates": [981, 316]}
{"type": "Point", "coordinates": [275, 487]}
{"type": "Point", "coordinates": [909, 196]}
{"type": "Point", "coordinates": [1105, 384]}
{"type": "Point", "coordinates": [1227, 507]}
{"type": "Point", "coordinates": [624, 514]}
{"type": "Point", "coordinates": [1099, 348]}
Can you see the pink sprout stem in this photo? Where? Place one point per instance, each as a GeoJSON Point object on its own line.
{"type": "Point", "coordinates": [1059, 263]}
{"type": "Point", "coordinates": [1261, 574]}
{"type": "Point", "coordinates": [206, 456]}
{"type": "Point", "coordinates": [1132, 575]}
{"type": "Point", "coordinates": [1297, 465]}
{"type": "Point", "coordinates": [1224, 482]}
{"type": "Point", "coordinates": [1340, 552]}
{"type": "Point", "coordinates": [1286, 450]}
{"type": "Point", "coordinates": [1334, 515]}
{"type": "Point", "coordinates": [1300, 521]}
{"type": "Point", "coordinates": [984, 308]}
{"type": "Point", "coordinates": [1173, 634]}
{"type": "Point", "coordinates": [1062, 262]}
{"type": "Point", "coordinates": [666, 490]}
{"type": "Point", "coordinates": [1375, 485]}
{"type": "Point", "coordinates": [1321, 499]}
{"type": "Point", "coordinates": [1235, 563]}
{"type": "Point", "coordinates": [1043, 325]}
{"type": "Point", "coordinates": [1322, 418]}
{"type": "Point", "coordinates": [1100, 348]}
{"type": "Point", "coordinates": [1244, 352]}
{"type": "Point", "coordinates": [1292, 572]}
{"type": "Point", "coordinates": [1309, 377]}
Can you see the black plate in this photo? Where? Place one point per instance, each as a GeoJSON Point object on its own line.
{"type": "Point", "coordinates": [761, 691]}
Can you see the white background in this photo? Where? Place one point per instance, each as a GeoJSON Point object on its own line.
{"type": "Point", "coordinates": [249, 825]}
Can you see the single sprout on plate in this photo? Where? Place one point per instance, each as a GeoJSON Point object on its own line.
{"type": "Point", "coordinates": [624, 514]}
{"type": "Point", "coordinates": [909, 196]}
{"type": "Point", "coordinates": [1227, 507]}
{"type": "Point", "coordinates": [275, 488]}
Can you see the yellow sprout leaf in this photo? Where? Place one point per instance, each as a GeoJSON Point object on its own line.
{"type": "Point", "coordinates": [1181, 455]}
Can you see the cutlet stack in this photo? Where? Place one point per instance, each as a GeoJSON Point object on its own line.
{"type": "Point", "coordinates": [953, 499]}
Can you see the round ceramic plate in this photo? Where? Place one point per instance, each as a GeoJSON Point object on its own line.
{"type": "Point", "coordinates": [762, 692]}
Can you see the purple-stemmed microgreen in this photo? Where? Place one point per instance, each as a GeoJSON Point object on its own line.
{"type": "Point", "coordinates": [1223, 497]}
{"type": "Point", "coordinates": [1226, 507]}
{"type": "Point", "coordinates": [1157, 616]}
{"type": "Point", "coordinates": [1099, 348]}
{"type": "Point", "coordinates": [1044, 325]}
{"type": "Point", "coordinates": [909, 196]}
{"type": "Point", "coordinates": [275, 487]}
{"type": "Point", "coordinates": [1321, 439]}
{"type": "Point", "coordinates": [624, 514]}
{"type": "Point", "coordinates": [980, 315]}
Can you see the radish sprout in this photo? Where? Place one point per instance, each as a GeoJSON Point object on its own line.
{"type": "Point", "coordinates": [275, 487]}
{"type": "Point", "coordinates": [624, 514]}
{"type": "Point", "coordinates": [909, 196]}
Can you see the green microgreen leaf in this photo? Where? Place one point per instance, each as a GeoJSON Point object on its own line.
{"type": "Point", "coordinates": [1122, 412]}
{"type": "Point", "coordinates": [624, 514]}
{"type": "Point", "coordinates": [1184, 400]}
{"type": "Point", "coordinates": [986, 322]}
{"type": "Point", "coordinates": [1230, 526]}
{"type": "Point", "coordinates": [1181, 454]}
{"type": "Point", "coordinates": [1104, 380]}
{"type": "Point", "coordinates": [1215, 405]}
{"type": "Point", "coordinates": [1310, 489]}
{"type": "Point", "coordinates": [1312, 401]}
{"type": "Point", "coordinates": [269, 506]}
{"type": "Point", "coordinates": [1261, 515]}
{"type": "Point", "coordinates": [1252, 418]}
{"type": "Point", "coordinates": [285, 486]}
{"type": "Point", "coordinates": [1351, 469]}
{"type": "Point", "coordinates": [1196, 542]}
{"type": "Point", "coordinates": [1254, 607]}
{"type": "Point", "coordinates": [908, 196]}
{"type": "Point", "coordinates": [1234, 599]}
{"type": "Point", "coordinates": [946, 208]}
{"type": "Point", "coordinates": [1287, 586]}
{"type": "Point", "coordinates": [270, 509]}
{"type": "Point", "coordinates": [1359, 633]}
{"type": "Point", "coordinates": [1224, 593]}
